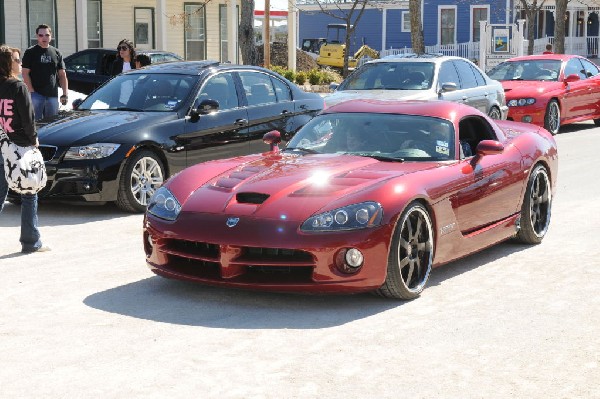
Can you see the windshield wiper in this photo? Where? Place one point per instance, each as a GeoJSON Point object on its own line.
{"type": "Point", "coordinates": [125, 109]}
{"type": "Point", "coordinates": [307, 150]}
{"type": "Point", "coordinates": [383, 158]}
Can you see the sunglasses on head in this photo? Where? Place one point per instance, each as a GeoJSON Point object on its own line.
{"type": "Point", "coordinates": [124, 48]}
{"type": "Point", "coordinates": [43, 34]}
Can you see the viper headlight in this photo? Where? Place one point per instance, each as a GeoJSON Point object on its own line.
{"type": "Point", "coordinates": [92, 151]}
{"type": "Point", "coordinates": [164, 205]}
{"type": "Point", "coordinates": [520, 102]}
{"type": "Point", "coordinates": [351, 217]}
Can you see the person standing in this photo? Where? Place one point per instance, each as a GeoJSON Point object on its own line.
{"type": "Point", "coordinates": [548, 49]}
{"type": "Point", "coordinates": [43, 72]}
{"type": "Point", "coordinates": [125, 58]}
{"type": "Point", "coordinates": [17, 121]}
{"type": "Point", "coordinates": [142, 60]}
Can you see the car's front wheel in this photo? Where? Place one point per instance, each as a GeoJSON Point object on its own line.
{"type": "Point", "coordinates": [411, 255]}
{"type": "Point", "coordinates": [536, 208]}
{"type": "Point", "coordinates": [552, 117]}
{"type": "Point", "coordinates": [142, 175]}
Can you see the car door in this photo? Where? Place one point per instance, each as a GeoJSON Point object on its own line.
{"type": "Point", "coordinates": [219, 134]}
{"type": "Point", "coordinates": [489, 189]}
{"type": "Point", "coordinates": [474, 94]}
{"type": "Point", "coordinates": [577, 94]}
{"type": "Point", "coordinates": [269, 106]}
{"type": "Point", "coordinates": [592, 74]}
{"type": "Point", "coordinates": [83, 71]}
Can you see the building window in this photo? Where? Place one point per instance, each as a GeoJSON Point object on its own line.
{"type": "Point", "coordinates": [478, 14]}
{"type": "Point", "coordinates": [41, 12]}
{"type": "Point", "coordinates": [223, 31]}
{"type": "Point", "coordinates": [94, 23]}
{"type": "Point", "coordinates": [447, 26]}
{"type": "Point", "coordinates": [405, 21]}
{"type": "Point", "coordinates": [195, 31]}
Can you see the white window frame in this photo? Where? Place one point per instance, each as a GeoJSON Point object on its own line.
{"type": "Point", "coordinates": [405, 21]}
{"type": "Point", "coordinates": [439, 23]}
{"type": "Point", "coordinates": [35, 18]}
{"type": "Point", "coordinates": [471, 38]}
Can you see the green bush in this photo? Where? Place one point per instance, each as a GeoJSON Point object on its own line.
{"type": "Point", "coordinates": [289, 75]}
{"type": "Point", "coordinates": [301, 78]}
{"type": "Point", "coordinates": [314, 76]}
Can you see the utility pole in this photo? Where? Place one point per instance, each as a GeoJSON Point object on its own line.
{"type": "Point", "coordinates": [267, 38]}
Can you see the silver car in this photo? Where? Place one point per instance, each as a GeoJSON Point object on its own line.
{"type": "Point", "coordinates": [424, 77]}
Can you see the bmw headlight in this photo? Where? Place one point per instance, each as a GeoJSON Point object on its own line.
{"type": "Point", "coordinates": [351, 217]}
{"type": "Point", "coordinates": [520, 102]}
{"type": "Point", "coordinates": [164, 205]}
{"type": "Point", "coordinates": [91, 151]}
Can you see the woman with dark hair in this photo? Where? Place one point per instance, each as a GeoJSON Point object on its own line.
{"type": "Point", "coordinates": [125, 58]}
{"type": "Point", "coordinates": [17, 121]}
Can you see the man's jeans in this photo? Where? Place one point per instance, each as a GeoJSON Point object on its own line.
{"type": "Point", "coordinates": [44, 106]}
{"type": "Point", "coordinates": [30, 235]}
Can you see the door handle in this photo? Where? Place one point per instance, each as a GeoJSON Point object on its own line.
{"type": "Point", "coordinates": [241, 122]}
{"type": "Point", "coordinates": [285, 111]}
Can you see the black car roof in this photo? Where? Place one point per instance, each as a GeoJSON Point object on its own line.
{"type": "Point", "coordinates": [193, 67]}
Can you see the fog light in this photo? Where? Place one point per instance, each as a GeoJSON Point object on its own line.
{"type": "Point", "coordinates": [526, 119]}
{"type": "Point", "coordinates": [354, 258]}
{"type": "Point", "coordinates": [150, 241]}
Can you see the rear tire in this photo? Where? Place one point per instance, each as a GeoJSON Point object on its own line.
{"type": "Point", "coordinates": [536, 208]}
{"type": "Point", "coordinates": [142, 175]}
{"type": "Point", "coordinates": [411, 255]}
{"type": "Point", "coordinates": [552, 117]}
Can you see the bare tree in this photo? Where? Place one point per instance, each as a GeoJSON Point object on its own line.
{"type": "Point", "coordinates": [246, 34]}
{"type": "Point", "coordinates": [559, 26]}
{"type": "Point", "coordinates": [350, 15]}
{"type": "Point", "coordinates": [416, 27]}
{"type": "Point", "coordinates": [531, 9]}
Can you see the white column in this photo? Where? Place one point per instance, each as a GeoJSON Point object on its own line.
{"type": "Point", "coordinates": [232, 32]}
{"type": "Point", "coordinates": [292, 35]}
{"type": "Point", "coordinates": [161, 25]}
{"type": "Point", "coordinates": [82, 24]}
{"type": "Point", "coordinates": [384, 28]}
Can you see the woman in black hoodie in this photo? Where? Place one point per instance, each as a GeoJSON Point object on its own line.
{"type": "Point", "coordinates": [17, 121]}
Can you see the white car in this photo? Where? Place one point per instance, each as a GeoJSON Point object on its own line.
{"type": "Point", "coordinates": [424, 77]}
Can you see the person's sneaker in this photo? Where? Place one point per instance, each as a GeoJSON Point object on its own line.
{"type": "Point", "coordinates": [43, 248]}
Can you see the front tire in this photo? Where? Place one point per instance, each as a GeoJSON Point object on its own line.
{"type": "Point", "coordinates": [552, 117]}
{"type": "Point", "coordinates": [411, 255]}
{"type": "Point", "coordinates": [142, 175]}
{"type": "Point", "coordinates": [536, 208]}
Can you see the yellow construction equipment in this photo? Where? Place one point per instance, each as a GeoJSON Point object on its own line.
{"type": "Point", "coordinates": [332, 52]}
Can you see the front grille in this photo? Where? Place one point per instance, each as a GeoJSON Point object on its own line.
{"type": "Point", "coordinates": [48, 152]}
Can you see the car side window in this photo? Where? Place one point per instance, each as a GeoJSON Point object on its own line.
{"type": "Point", "coordinates": [471, 131]}
{"type": "Point", "coordinates": [478, 76]}
{"type": "Point", "coordinates": [221, 88]}
{"type": "Point", "coordinates": [448, 74]}
{"type": "Point", "coordinates": [83, 63]}
{"type": "Point", "coordinates": [574, 67]}
{"type": "Point", "coordinates": [467, 78]}
{"type": "Point", "coordinates": [258, 88]}
{"type": "Point", "coordinates": [282, 91]}
{"type": "Point", "coordinates": [590, 68]}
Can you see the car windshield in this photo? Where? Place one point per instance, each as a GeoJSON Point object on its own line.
{"type": "Point", "coordinates": [141, 92]}
{"type": "Point", "coordinates": [391, 76]}
{"type": "Point", "coordinates": [539, 69]}
{"type": "Point", "coordinates": [387, 137]}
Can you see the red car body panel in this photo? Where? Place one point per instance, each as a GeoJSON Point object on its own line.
{"type": "Point", "coordinates": [474, 203]}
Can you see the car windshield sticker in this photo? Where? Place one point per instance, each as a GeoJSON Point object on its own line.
{"type": "Point", "coordinates": [171, 104]}
{"type": "Point", "coordinates": [441, 147]}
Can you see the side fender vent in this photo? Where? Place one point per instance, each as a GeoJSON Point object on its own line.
{"type": "Point", "coordinates": [251, 198]}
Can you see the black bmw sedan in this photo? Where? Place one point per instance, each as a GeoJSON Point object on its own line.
{"type": "Point", "coordinates": [127, 137]}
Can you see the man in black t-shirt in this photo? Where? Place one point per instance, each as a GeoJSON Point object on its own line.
{"type": "Point", "coordinates": [43, 72]}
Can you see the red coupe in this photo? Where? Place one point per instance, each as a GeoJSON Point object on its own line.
{"type": "Point", "coordinates": [367, 196]}
{"type": "Point", "coordinates": [550, 90]}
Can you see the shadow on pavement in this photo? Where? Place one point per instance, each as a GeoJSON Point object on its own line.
{"type": "Point", "coordinates": [186, 303]}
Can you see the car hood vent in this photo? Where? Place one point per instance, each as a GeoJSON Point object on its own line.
{"type": "Point", "coordinates": [251, 198]}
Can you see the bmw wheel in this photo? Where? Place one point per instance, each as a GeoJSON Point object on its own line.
{"type": "Point", "coordinates": [495, 113]}
{"type": "Point", "coordinates": [536, 208]}
{"type": "Point", "coordinates": [411, 255]}
{"type": "Point", "coordinates": [552, 117]}
{"type": "Point", "coordinates": [142, 175]}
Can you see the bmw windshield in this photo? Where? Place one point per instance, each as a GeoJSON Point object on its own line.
{"type": "Point", "coordinates": [141, 92]}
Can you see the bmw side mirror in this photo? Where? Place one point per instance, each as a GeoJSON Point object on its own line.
{"type": "Point", "coordinates": [76, 103]}
{"type": "Point", "coordinates": [273, 138]}
{"type": "Point", "coordinates": [205, 107]}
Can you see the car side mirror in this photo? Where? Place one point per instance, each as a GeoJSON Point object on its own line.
{"type": "Point", "coordinates": [333, 86]}
{"type": "Point", "coordinates": [76, 103]}
{"type": "Point", "coordinates": [448, 86]}
{"type": "Point", "coordinates": [273, 138]}
{"type": "Point", "coordinates": [489, 147]}
{"type": "Point", "coordinates": [206, 107]}
{"type": "Point", "coordinates": [572, 78]}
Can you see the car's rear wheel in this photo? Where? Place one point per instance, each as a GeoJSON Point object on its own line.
{"type": "Point", "coordinates": [142, 175]}
{"type": "Point", "coordinates": [411, 255]}
{"type": "Point", "coordinates": [495, 113]}
{"type": "Point", "coordinates": [552, 117]}
{"type": "Point", "coordinates": [597, 122]}
{"type": "Point", "coordinates": [536, 208]}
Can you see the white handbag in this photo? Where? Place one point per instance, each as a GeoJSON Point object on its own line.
{"type": "Point", "coordinates": [24, 167]}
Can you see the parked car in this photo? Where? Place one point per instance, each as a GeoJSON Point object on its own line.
{"type": "Point", "coordinates": [550, 90]}
{"type": "Point", "coordinates": [424, 77]}
{"type": "Point", "coordinates": [368, 196]}
{"type": "Point", "coordinates": [88, 69]}
{"type": "Point", "coordinates": [128, 136]}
